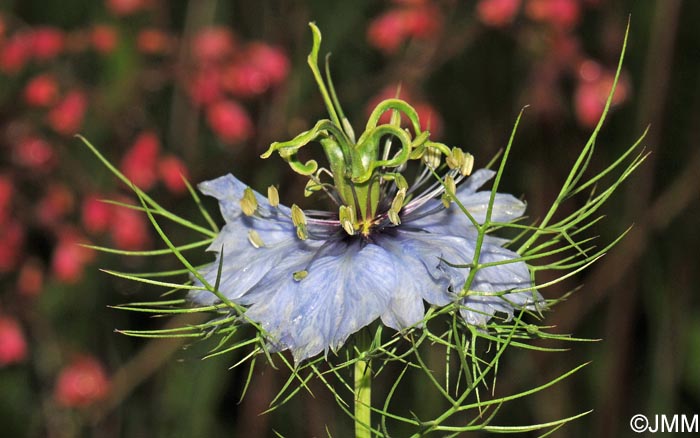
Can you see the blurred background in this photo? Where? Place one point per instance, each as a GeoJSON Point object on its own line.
{"type": "Point", "coordinates": [201, 88]}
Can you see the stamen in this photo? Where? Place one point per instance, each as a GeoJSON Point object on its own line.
{"type": "Point", "coordinates": [396, 206]}
{"type": "Point", "coordinates": [299, 221]}
{"type": "Point", "coordinates": [431, 157]}
{"type": "Point", "coordinates": [347, 219]}
{"type": "Point", "coordinates": [248, 202]}
{"type": "Point", "coordinates": [300, 275]}
{"type": "Point", "coordinates": [273, 196]}
{"type": "Point", "coordinates": [467, 165]}
{"type": "Point", "coordinates": [254, 239]}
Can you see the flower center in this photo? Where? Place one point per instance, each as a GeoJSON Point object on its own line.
{"type": "Point", "coordinates": [365, 172]}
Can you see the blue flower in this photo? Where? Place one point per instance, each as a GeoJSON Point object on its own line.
{"type": "Point", "coordinates": [311, 295]}
{"type": "Point", "coordinates": [311, 279]}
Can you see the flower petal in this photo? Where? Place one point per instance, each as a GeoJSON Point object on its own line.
{"type": "Point", "coordinates": [453, 221]}
{"type": "Point", "coordinates": [347, 287]}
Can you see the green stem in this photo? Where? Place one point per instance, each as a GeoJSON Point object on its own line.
{"type": "Point", "coordinates": [363, 393]}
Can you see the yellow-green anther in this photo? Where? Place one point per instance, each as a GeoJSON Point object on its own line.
{"type": "Point", "coordinates": [273, 196]}
{"type": "Point", "coordinates": [254, 239]}
{"type": "Point", "coordinates": [467, 164]}
{"type": "Point", "coordinates": [299, 221]}
{"type": "Point", "coordinates": [394, 217]}
{"type": "Point", "coordinates": [300, 275]}
{"type": "Point", "coordinates": [396, 206]}
{"type": "Point", "coordinates": [450, 185]}
{"type": "Point", "coordinates": [347, 219]}
{"type": "Point", "coordinates": [248, 202]}
{"type": "Point", "coordinates": [347, 127]}
{"type": "Point", "coordinates": [431, 157]}
{"type": "Point", "coordinates": [311, 188]}
{"type": "Point", "coordinates": [446, 199]}
{"type": "Point", "coordinates": [397, 203]}
{"type": "Point", "coordinates": [455, 159]}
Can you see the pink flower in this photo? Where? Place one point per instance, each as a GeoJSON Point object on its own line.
{"type": "Point", "coordinates": [11, 242]}
{"type": "Point", "coordinates": [13, 346]}
{"type": "Point", "coordinates": [66, 118]}
{"type": "Point", "coordinates": [129, 229]}
{"type": "Point", "coordinates": [126, 7]}
{"type": "Point", "coordinates": [387, 32]}
{"type": "Point", "coordinates": [212, 44]}
{"type": "Point", "coordinates": [171, 170]}
{"type": "Point", "coordinates": [592, 92]}
{"type": "Point", "coordinates": [270, 61]}
{"type": "Point", "coordinates": [15, 52]}
{"type": "Point", "coordinates": [6, 192]}
{"type": "Point", "coordinates": [30, 280]}
{"type": "Point", "coordinates": [41, 90]}
{"type": "Point", "coordinates": [497, 13]}
{"type": "Point", "coordinates": [205, 86]}
{"type": "Point", "coordinates": [81, 383]}
{"type": "Point", "coordinates": [140, 161]}
{"type": "Point", "coordinates": [559, 13]}
{"type": "Point", "coordinates": [34, 153]}
{"type": "Point", "coordinates": [104, 38]}
{"type": "Point", "coordinates": [96, 215]}
{"type": "Point", "coordinates": [47, 42]}
{"type": "Point", "coordinates": [55, 205]}
{"type": "Point", "coordinates": [230, 121]}
{"type": "Point", "coordinates": [69, 257]}
{"type": "Point", "coordinates": [245, 80]}
{"type": "Point", "coordinates": [154, 42]}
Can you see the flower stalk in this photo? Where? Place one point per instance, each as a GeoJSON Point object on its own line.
{"type": "Point", "coordinates": [363, 388]}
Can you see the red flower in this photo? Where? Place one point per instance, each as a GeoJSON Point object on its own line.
{"type": "Point", "coordinates": [67, 117]}
{"type": "Point", "coordinates": [15, 52]}
{"type": "Point", "coordinates": [104, 38]}
{"type": "Point", "coordinates": [271, 61]}
{"type": "Point", "coordinates": [30, 280]}
{"type": "Point", "coordinates": [205, 86]}
{"type": "Point", "coordinates": [34, 153]}
{"type": "Point", "coordinates": [47, 42]}
{"type": "Point", "coordinates": [230, 121]}
{"type": "Point", "coordinates": [154, 42]}
{"type": "Point", "coordinates": [56, 204]}
{"type": "Point", "coordinates": [41, 90]}
{"type": "Point", "coordinates": [6, 192]}
{"type": "Point", "coordinates": [497, 13]}
{"type": "Point", "coordinates": [82, 383]}
{"type": "Point", "coordinates": [592, 92]}
{"type": "Point", "coordinates": [126, 7]}
{"type": "Point", "coordinates": [13, 346]}
{"type": "Point", "coordinates": [245, 80]}
{"type": "Point", "coordinates": [139, 164]}
{"type": "Point", "coordinates": [559, 13]}
{"type": "Point", "coordinates": [213, 44]}
{"type": "Point", "coordinates": [95, 214]}
{"type": "Point", "coordinates": [69, 257]}
{"type": "Point", "coordinates": [171, 170]}
{"type": "Point", "coordinates": [11, 241]}
{"type": "Point", "coordinates": [129, 229]}
{"type": "Point", "coordinates": [388, 31]}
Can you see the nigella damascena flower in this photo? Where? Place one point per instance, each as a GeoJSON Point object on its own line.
{"type": "Point", "coordinates": [311, 279]}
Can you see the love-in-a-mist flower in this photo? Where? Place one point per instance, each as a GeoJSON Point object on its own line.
{"type": "Point", "coordinates": [311, 279]}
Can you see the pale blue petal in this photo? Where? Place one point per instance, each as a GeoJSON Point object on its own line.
{"type": "Point", "coordinates": [453, 221]}
{"type": "Point", "coordinates": [347, 288]}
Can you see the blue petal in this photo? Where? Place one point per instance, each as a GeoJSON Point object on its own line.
{"type": "Point", "coordinates": [453, 221]}
{"type": "Point", "coordinates": [496, 282]}
{"type": "Point", "coordinates": [348, 286]}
